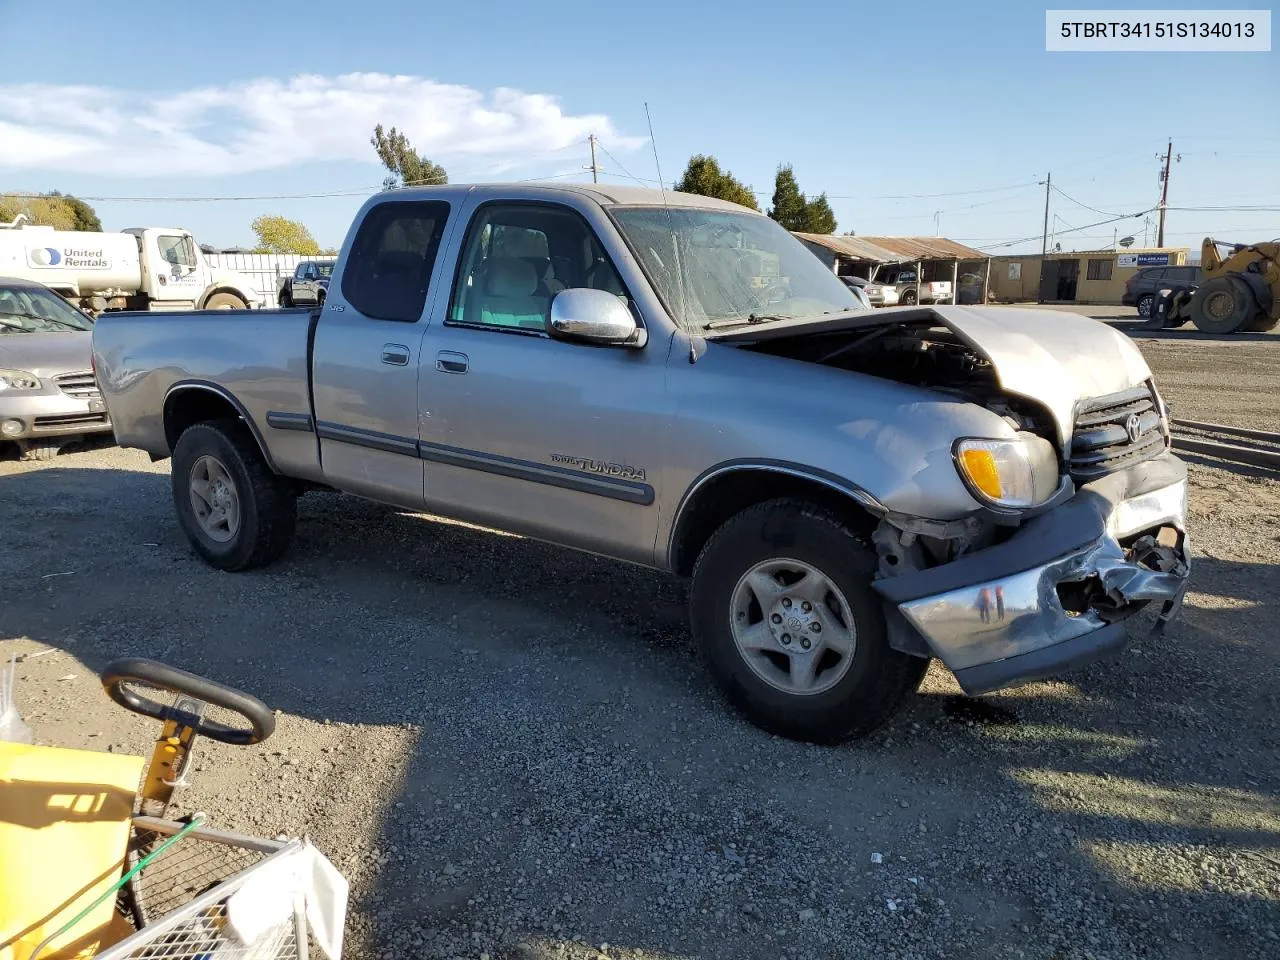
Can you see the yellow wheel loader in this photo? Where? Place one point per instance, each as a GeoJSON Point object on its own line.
{"type": "Point", "coordinates": [1238, 292]}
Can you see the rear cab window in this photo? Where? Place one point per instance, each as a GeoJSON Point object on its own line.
{"type": "Point", "coordinates": [392, 257]}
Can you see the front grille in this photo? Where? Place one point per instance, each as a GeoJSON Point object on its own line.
{"type": "Point", "coordinates": [1101, 442]}
{"type": "Point", "coordinates": [82, 386]}
{"type": "Point", "coordinates": [69, 420]}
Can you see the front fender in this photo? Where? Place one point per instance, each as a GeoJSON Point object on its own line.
{"type": "Point", "coordinates": [890, 441]}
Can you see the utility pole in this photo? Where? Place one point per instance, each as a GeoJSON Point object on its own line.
{"type": "Point", "coordinates": [1164, 191]}
{"type": "Point", "coordinates": [937, 223]}
{"type": "Point", "coordinates": [1044, 245]}
{"type": "Point", "coordinates": [595, 167]}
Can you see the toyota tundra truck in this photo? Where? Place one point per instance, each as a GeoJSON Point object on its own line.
{"type": "Point", "coordinates": [675, 381]}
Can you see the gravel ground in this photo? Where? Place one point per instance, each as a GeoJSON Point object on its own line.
{"type": "Point", "coordinates": [511, 751]}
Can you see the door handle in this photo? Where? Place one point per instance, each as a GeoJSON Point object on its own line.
{"type": "Point", "coordinates": [449, 362]}
{"type": "Point", "coordinates": [396, 354]}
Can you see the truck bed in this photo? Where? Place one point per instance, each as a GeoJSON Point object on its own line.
{"type": "Point", "coordinates": [257, 357]}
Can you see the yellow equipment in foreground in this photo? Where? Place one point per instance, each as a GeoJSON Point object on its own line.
{"type": "Point", "coordinates": [1240, 292]}
{"type": "Point", "coordinates": [65, 817]}
{"type": "Point", "coordinates": [85, 862]}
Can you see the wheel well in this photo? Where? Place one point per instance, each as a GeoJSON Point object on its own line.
{"type": "Point", "coordinates": [185, 408]}
{"type": "Point", "coordinates": [210, 294]}
{"type": "Point", "coordinates": [730, 493]}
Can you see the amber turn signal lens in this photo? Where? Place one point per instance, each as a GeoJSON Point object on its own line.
{"type": "Point", "coordinates": [980, 467]}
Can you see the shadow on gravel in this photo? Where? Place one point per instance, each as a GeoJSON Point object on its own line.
{"type": "Point", "coordinates": [576, 778]}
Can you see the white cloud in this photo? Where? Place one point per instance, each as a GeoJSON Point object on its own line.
{"type": "Point", "coordinates": [268, 124]}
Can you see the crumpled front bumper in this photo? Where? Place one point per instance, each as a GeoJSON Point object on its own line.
{"type": "Point", "coordinates": [997, 617]}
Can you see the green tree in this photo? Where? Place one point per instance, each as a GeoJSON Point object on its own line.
{"type": "Point", "coordinates": [86, 216]}
{"type": "Point", "coordinates": [407, 167]}
{"type": "Point", "coordinates": [281, 235]}
{"type": "Point", "coordinates": [818, 216]}
{"type": "Point", "coordinates": [791, 209]}
{"type": "Point", "coordinates": [788, 207]}
{"type": "Point", "coordinates": [49, 210]}
{"type": "Point", "coordinates": [704, 177]}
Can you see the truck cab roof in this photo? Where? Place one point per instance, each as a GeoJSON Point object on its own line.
{"type": "Point", "coordinates": [602, 193]}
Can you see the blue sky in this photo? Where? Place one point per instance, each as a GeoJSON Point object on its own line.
{"type": "Point", "coordinates": [879, 107]}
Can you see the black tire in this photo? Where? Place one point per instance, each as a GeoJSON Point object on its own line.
{"type": "Point", "coordinates": [225, 301]}
{"type": "Point", "coordinates": [286, 301]}
{"type": "Point", "coordinates": [267, 501]}
{"type": "Point", "coordinates": [1146, 306]}
{"type": "Point", "coordinates": [1263, 323]}
{"type": "Point", "coordinates": [878, 677]}
{"type": "Point", "coordinates": [908, 298]}
{"type": "Point", "coordinates": [1223, 305]}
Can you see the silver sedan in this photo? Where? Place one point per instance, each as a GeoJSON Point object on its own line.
{"type": "Point", "coordinates": [48, 393]}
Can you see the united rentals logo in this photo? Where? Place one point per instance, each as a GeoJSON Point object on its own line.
{"type": "Point", "coordinates": [72, 258]}
{"type": "Point", "coordinates": [588, 465]}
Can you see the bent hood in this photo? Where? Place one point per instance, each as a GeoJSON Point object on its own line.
{"type": "Point", "coordinates": [1051, 356]}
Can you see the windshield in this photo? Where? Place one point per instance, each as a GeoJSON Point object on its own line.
{"type": "Point", "coordinates": [324, 269]}
{"type": "Point", "coordinates": [33, 310]}
{"type": "Point", "coordinates": [732, 266]}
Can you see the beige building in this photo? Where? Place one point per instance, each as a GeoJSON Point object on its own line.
{"type": "Point", "coordinates": [1086, 276]}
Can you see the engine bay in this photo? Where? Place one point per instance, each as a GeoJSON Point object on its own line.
{"type": "Point", "coordinates": [919, 354]}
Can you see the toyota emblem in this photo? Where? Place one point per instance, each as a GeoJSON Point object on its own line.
{"type": "Point", "coordinates": [1133, 427]}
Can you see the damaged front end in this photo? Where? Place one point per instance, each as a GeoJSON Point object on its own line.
{"type": "Point", "coordinates": [1080, 518]}
{"type": "Point", "coordinates": [1054, 594]}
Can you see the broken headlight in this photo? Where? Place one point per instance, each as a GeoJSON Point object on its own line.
{"type": "Point", "coordinates": [1022, 472]}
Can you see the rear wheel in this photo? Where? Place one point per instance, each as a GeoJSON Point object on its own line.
{"type": "Point", "coordinates": [1222, 305]}
{"type": "Point", "coordinates": [1146, 306]}
{"type": "Point", "coordinates": [237, 513]}
{"type": "Point", "coordinates": [782, 609]}
{"type": "Point", "coordinates": [908, 298]}
{"type": "Point", "coordinates": [286, 301]}
{"type": "Point", "coordinates": [225, 301]}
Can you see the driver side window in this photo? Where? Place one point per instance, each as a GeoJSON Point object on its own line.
{"type": "Point", "coordinates": [175, 250]}
{"type": "Point", "coordinates": [518, 257]}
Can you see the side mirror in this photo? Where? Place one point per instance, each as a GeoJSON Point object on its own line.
{"type": "Point", "coordinates": [593, 316]}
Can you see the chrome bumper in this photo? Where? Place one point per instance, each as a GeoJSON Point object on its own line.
{"type": "Point", "coordinates": [1009, 628]}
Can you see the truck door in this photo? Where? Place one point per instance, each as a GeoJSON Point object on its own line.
{"type": "Point", "coordinates": [172, 266]}
{"type": "Point", "coordinates": [367, 347]}
{"type": "Point", "coordinates": [524, 432]}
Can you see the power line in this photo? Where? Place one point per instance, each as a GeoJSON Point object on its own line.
{"type": "Point", "coordinates": [1087, 226]}
{"type": "Point", "coordinates": [619, 163]}
{"type": "Point", "coordinates": [1065, 195]}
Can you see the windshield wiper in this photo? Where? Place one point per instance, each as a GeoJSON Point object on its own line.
{"type": "Point", "coordinates": [36, 316]}
{"type": "Point", "coordinates": [749, 319]}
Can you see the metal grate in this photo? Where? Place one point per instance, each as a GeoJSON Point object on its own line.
{"type": "Point", "coordinates": [178, 902]}
{"type": "Point", "coordinates": [82, 385]}
{"type": "Point", "coordinates": [183, 872]}
{"type": "Point", "coordinates": [1115, 431]}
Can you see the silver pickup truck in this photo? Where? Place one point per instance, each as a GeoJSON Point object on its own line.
{"type": "Point", "coordinates": [677, 382]}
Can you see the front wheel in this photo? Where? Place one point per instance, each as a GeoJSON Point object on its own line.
{"type": "Point", "coordinates": [237, 513]}
{"type": "Point", "coordinates": [782, 609]}
{"type": "Point", "coordinates": [1222, 305]}
{"type": "Point", "coordinates": [225, 301]}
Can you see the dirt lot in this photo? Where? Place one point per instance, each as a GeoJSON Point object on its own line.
{"type": "Point", "coordinates": [512, 752]}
